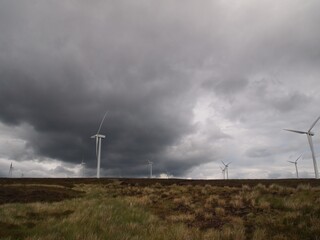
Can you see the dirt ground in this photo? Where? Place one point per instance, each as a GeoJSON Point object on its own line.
{"type": "Point", "coordinates": [35, 190]}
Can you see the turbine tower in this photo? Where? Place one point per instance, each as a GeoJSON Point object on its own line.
{"type": "Point", "coordinates": [295, 163]}
{"type": "Point", "coordinates": [10, 171]}
{"type": "Point", "coordinates": [150, 167]}
{"type": "Point", "coordinates": [223, 172]}
{"type": "Point", "coordinates": [83, 165]}
{"type": "Point", "coordinates": [98, 138]}
{"type": "Point", "coordinates": [309, 136]}
{"type": "Point", "coordinates": [226, 167]}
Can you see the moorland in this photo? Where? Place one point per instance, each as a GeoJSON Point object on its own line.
{"type": "Point", "coordinates": [159, 209]}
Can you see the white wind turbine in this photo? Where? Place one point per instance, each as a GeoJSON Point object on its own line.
{"type": "Point", "coordinates": [295, 163]}
{"type": "Point", "coordinates": [226, 167]}
{"type": "Point", "coordinates": [223, 172]}
{"type": "Point", "coordinates": [83, 166]}
{"type": "Point", "coordinates": [98, 138]}
{"type": "Point", "coordinates": [150, 167]}
{"type": "Point", "coordinates": [309, 136]}
{"type": "Point", "coordinates": [10, 171]}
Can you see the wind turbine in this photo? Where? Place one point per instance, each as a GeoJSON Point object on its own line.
{"type": "Point", "coordinates": [98, 138]}
{"type": "Point", "coordinates": [10, 171]}
{"type": "Point", "coordinates": [226, 167]}
{"type": "Point", "coordinates": [150, 167]}
{"type": "Point", "coordinates": [295, 163]}
{"type": "Point", "coordinates": [83, 165]}
{"type": "Point", "coordinates": [309, 136]}
{"type": "Point", "coordinates": [223, 172]}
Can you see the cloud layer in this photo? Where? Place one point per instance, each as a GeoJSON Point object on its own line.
{"type": "Point", "coordinates": [185, 84]}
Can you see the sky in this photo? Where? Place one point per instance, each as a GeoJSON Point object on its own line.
{"type": "Point", "coordinates": [187, 84]}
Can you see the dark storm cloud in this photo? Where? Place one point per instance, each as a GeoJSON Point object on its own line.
{"type": "Point", "coordinates": [63, 64]}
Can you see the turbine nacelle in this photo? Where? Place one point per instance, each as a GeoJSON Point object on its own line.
{"type": "Point", "coordinates": [98, 136]}
{"type": "Point", "coordinates": [300, 132]}
{"type": "Point", "coordinates": [296, 161]}
{"type": "Point", "coordinates": [226, 165]}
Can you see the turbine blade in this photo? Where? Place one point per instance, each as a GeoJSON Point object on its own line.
{"type": "Point", "coordinates": [298, 158]}
{"type": "Point", "coordinates": [295, 131]}
{"type": "Point", "coordinates": [291, 162]}
{"type": "Point", "coordinates": [314, 123]}
{"type": "Point", "coordinates": [102, 122]}
{"type": "Point", "coordinates": [223, 163]}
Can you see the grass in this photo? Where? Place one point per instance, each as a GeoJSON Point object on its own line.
{"type": "Point", "coordinates": [94, 216]}
{"type": "Point", "coordinates": [116, 210]}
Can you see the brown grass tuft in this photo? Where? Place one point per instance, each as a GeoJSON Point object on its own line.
{"type": "Point", "coordinates": [219, 211]}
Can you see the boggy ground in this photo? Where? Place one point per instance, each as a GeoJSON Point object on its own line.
{"type": "Point", "coordinates": [258, 209]}
{"type": "Point", "coordinates": [17, 193]}
{"type": "Point", "coordinates": [186, 209]}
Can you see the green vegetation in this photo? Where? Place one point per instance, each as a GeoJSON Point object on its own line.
{"type": "Point", "coordinates": [117, 210]}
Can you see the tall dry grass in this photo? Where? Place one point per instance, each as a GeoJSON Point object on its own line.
{"type": "Point", "coordinates": [118, 211]}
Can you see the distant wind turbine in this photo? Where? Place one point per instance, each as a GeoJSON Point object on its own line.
{"type": "Point", "coordinates": [98, 138]}
{"type": "Point", "coordinates": [11, 171]}
{"type": "Point", "coordinates": [83, 165]}
{"type": "Point", "coordinates": [150, 167]}
{"type": "Point", "coordinates": [223, 172]}
{"type": "Point", "coordinates": [309, 136]}
{"type": "Point", "coordinates": [295, 163]}
{"type": "Point", "coordinates": [168, 175]}
{"type": "Point", "coordinates": [226, 167]}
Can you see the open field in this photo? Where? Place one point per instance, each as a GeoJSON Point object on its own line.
{"type": "Point", "coordinates": [159, 209]}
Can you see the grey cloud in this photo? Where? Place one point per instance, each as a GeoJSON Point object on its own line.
{"type": "Point", "coordinates": [274, 175]}
{"type": "Point", "coordinates": [226, 86]}
{"type": "Point", "coordinates": [259, 152]}
{"type": "Point", "coordinates": [60, 170]}
{"type": "Point", "coordinates": [294, 101]}
{"type": "Point", "coordinates": [63, 64]}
